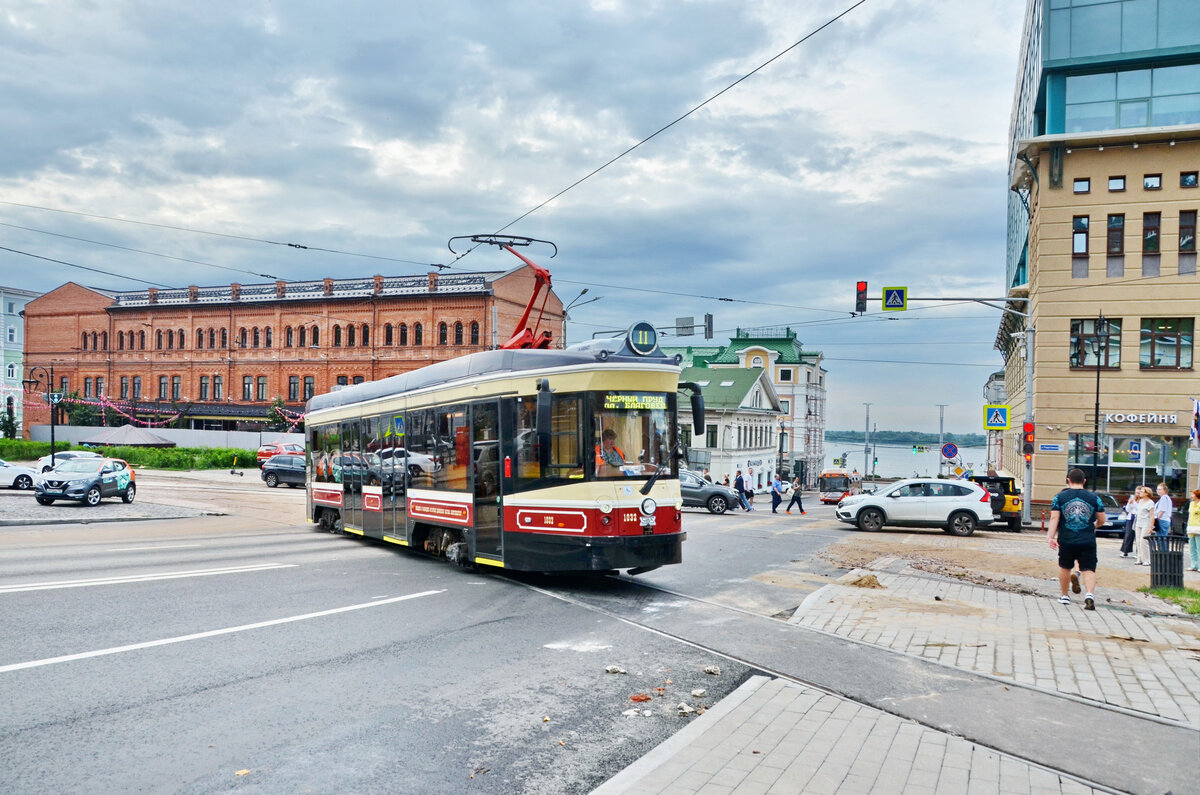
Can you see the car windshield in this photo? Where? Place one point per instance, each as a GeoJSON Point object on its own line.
{"type": "Point", "coordinates": [1108, 500]}
{"type": "Point", "coordinates": [79, 465]}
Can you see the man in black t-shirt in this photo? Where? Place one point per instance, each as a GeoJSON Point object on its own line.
{"type": "Point", "coordinates": [1075, 515]}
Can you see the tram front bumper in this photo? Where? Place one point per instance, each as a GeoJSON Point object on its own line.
{"type": "Point", "coordinates": [549, 553]}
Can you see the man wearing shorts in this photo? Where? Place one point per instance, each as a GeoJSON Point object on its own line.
{"type": "Point", "coordinates": [1075, 515]}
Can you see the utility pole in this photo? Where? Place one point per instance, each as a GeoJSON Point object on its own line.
{"type": "Point", "coordinates": [874, 450]}
{"type": "Point", "coordinates": [941, 433]}
{"type": "Point", "coordinates": [867, 442]}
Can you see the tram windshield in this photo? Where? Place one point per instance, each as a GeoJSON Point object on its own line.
{"type": "Point", "coordinates": [632, 433]}
{"type": "Point", "coordinates": [834, 483]}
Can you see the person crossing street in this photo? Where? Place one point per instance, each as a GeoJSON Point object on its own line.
{"type": "Point", "coordinates": [796, 500]}
{"type": "Point", "coordinates": [776, 493]}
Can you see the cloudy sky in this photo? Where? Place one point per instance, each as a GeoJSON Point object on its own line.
{"type": "Point", "coordinates": [875, 150]}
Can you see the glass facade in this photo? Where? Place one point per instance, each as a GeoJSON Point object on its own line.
{"type": "Point", "coordinates": [1123, 462]}
{"type": "Point", "coordinates": [1089, 28]}
{"type": "Point", "coordinates": [1158, 97]}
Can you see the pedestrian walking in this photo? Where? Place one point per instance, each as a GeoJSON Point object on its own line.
{"type": "Point", "coordinates": [1193, 529]}
{"type": "Point", "coordinates": [1129, 537]}
{"type": "Point", "coordinates": [776, 493]}
{"type": "Point", "coordinates": [739, 485]}
{"type": "Point", "coordinates": [707, 476]}
{"type": "Point", "coordinates": [750, 487]}
{"type": "Point", "coordinates": [725, 482]}
{"type": "Point", "coordinates": [1163, 510]}
{"type": "Point", "coordinates": [1075, 515]}
{"type": "Point", "coordinates": [1143, 522]}
{"type": "Point", "coordinates": [796, 500]}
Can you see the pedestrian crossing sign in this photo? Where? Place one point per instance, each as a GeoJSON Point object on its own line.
{"type": "Point", "coordinates": [995, 417]}
{"type": "Point", "coordinates": [395, 429]}
{"type": "Point", "coordinates": [895, 299]}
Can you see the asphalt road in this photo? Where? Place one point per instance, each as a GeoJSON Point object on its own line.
{"type": "Point", "coordinates": [219, 652]}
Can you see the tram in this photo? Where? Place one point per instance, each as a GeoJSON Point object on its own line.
{"type": "Point", "coordinates": [523, 459]}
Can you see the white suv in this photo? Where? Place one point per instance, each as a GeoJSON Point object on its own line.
{"type": "Point", "coordinates": [957, 506]}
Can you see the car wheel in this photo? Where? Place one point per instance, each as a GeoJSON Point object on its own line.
{"type": "Point", "coordinates": [272, 479]}
{"type": "Point", "coordinates": [870, 519]}
{"type": "Point", "coordinates": [717, 504]}
{"type": "Point", "coordinates": [415, 470]}
{"type": "Point", "coordinates": [128, 495]}
{"type": "Point", "coordinates": [44, 500]}
{"type": "Point", "coordinates": [961, 524]}
{"type": "Point", "coordinates": [92, 498]}
{"type": "Point", "coordinates": [23, 482]}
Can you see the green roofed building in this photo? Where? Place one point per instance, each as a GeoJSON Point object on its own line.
{"type": "Point", "coordinates": [797, 381]}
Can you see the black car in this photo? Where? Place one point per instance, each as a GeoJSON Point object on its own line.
{"type": "Point", "coordinates": [287, 469]}
{"type": "Point", "coordinates": [1114, 514]}
{"type": "Point", "coordinates": [699, 493]}
{"type": "Point", "coordinates": [86, 480]}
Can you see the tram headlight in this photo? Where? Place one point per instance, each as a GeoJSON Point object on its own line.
{"type": "Point", "coordinates": [649, 506]}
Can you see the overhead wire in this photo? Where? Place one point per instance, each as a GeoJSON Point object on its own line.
{"type": "Point", "coordinates": [83, 267]}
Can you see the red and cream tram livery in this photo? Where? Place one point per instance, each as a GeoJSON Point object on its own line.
{"type": "Point", "coordinates": [530, 460]}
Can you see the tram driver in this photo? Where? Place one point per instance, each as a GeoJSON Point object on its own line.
{"type": "Point", "coordinates": [609, 457]}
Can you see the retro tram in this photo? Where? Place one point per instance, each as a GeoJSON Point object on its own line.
{"type": "Point", "coordinates": [526, 459]}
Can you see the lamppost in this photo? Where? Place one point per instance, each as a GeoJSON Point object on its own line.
{"type": "Point", "coordinates": [1099, 344]}
{"type": "Point", "coordinates": [38, 374]}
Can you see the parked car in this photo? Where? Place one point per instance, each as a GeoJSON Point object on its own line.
{"type": "Point", "coordinates": [417, 463]}
{"type": "Point", "coordinates": [957, 506]}
{"type": "Point", "coordinates": [1006, 498]}
{"type": "Point", "coordinates": [87, 480]}
{"type": "Point", "coordinates": [16, 477]}
{"type": "Point", "coordinates": [43, 464]}
{"type": "Point", "coordinates": [268, 451]}
{"type": "Point", "coordinates": [1114, 514]}
{"type": "Point", "coordinates": [699, 493]}
{"type": "Point", "coordinates": [287, 469]}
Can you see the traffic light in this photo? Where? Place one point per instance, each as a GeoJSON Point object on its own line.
{"type": "Point", "coordinates": [860, 297]}
{"type": "Point", "coordinates": [1027, 442]}
{"type": "Point", "coordinates": [708, 326]}
{"type": "Point", "coordinates": [914, 449]}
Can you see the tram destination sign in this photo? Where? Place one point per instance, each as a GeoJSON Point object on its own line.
{"type": "Point", "coordinates": [635, 401]}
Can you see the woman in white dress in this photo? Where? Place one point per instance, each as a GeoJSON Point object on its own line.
{"type": "Point", "coordinates": [1143, 524]}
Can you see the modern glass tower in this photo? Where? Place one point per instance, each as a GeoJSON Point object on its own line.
{"type": "Point", "coordinates": [1100, 65]}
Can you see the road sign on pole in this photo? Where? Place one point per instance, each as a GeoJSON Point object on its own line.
{"type": "Point", "coordinates": [895, 299]}
{"type": "Point", "coordinates": [949, 450]}
{"type": "Point", "coordinates": [56, 397]}
{"type": "Point", "coordinates": [996, 417]}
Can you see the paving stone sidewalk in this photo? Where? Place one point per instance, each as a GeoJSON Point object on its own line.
{"type": "Point", "coordinates": [773, 736]}
{"type": "Point", "coordinates": [1148, 664]}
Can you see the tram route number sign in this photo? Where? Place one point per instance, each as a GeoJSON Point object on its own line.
{"type": "Point", "coordinates": [634, 401]}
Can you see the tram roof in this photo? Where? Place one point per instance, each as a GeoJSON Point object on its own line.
{"type": "Point", "coordinates": [472, 365]}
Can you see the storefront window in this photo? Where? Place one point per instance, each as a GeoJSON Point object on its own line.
{"type": "Point", "coordinates": [1123, 462]}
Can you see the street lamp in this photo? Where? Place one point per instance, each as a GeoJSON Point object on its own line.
{"type": "Point", "coordinates": [38, 374]}
{"type": "Point", "coordinates": [1098, 344]}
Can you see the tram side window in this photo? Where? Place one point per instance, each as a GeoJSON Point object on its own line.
{"type": "Point", "coordinates": [452, 440]}
{"type": "Point", "coordinates": [566, 462]}
{"type": "Point", "coordinates": [421, 461]}
{"type": "Point", "coordinates": [322, 449]}
{"type": "Point", "coordinates": [376, 473]}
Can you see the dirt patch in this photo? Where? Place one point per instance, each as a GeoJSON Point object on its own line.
{"type": "Point", "coordinates": [799, 580]}
{"type": "Point", "coordinates": [983, 566]}
{"type": "Point", "coordinates": [861, 581]}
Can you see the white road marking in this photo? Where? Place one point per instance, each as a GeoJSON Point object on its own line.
{"type": "Point", "coordinates": [139, 549]}
{"type": "Point", "coordinates": [210, 634]}
{"type": "Point", "coordinates": [170, 575]}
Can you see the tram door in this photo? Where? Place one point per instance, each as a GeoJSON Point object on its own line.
{"type": "Point", "coordinates": [353, 473]}
{"type": "Point", "coordinates": [394, 457]}
{"type": "Point", "coordinates": [485, 433]}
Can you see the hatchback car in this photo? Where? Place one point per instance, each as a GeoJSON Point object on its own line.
{"type": "Point", "coordinates": [957, 506]}
{"type": "Point", "coordinates": [268, 451]}
{"type": "Point", "coordinates": [287, 469]}
{"type": "Point", "coordinates": [86, 480]}
{"type": "Point", "coordinates": [16, 477]}
{"type": "Point", "coordinates": [43, 464]}
{"type": "Point", "coordinates": [1114, 515]}
{"type": "Point", "coordinates": [699, 493]}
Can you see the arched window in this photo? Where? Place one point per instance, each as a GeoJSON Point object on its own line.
{"type": "Point", "coordinates": [474, 333]}
{"type": "Point", "coordinates": [254, 336]}
{"type": "Point", "coordinates": [289, 337]}
{"type": "Point", "coordinates": [387, 334]}
{"type": "Point", "coordinates": [366, 335]}
{"type": "Point", "coordinates": [403, 334]}
{"type": "Point", "coordinates": [458, 338]}
{"type": "Point", "coordinates": [267, 337]}
{"type": "Point", "coordinates": [303, 332]}
{"type": "Point", "coordinates": [94, 341]}
{"type": "Point", "coordinates": [416, 333]}
{"type": "Point", "coordinates": [103, 340]}
{"type": "Point", "coordinates": [757, 361]}
{"type": "Point", "coordinates": [199, 339]}
{"type": "Point", "coordinates": [12, 373]}
{"type": "Point", "coordinates": [224, 341]}
{"type": "Point", "coordinates": [141, 340]}
{"type": "Point", "coordinates": [170, 340]}
{"type": "Point", "coordinates": [83, 342]}
{"type": "Point", "coordinates": [337, 336]}
{"type": "Point", "coordinates": [212, 338]}
{"type": "Point", "coordinates": [241, 338]}
{"type": "Point", "coordinates": [120, 340]}
{"type": "Point", "coordinates": [349, 336]}
{"type": "Point", "coordinates": [182, 339]}
{"type": "Point", "coordinates": [158, 341]}
{"type": "Point", "coordinates": [316, 336]}
{"type": "Point", "coordinates": [441, 334]}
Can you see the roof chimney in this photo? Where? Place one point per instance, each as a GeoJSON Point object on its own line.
{"type": "Point", "coordinates": [433, 281]}
{"type": "Point", "coordinates": [328, 286]}
{"type": "Point", "coordinates": [193, 292]}
{"type": "Point", "coordinates": [152, 295]}
{"type": "Point", "coordinates": [378, 284]}
{"type": "Point", "coordinates": [235, 291]}
{"type": "Point", "coordinates": [280, 288]}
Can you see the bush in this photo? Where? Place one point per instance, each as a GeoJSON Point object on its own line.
{"type": "Point", "coordinates": [153, 457]}
{"type": "Point", "coordinates": [22, 450]}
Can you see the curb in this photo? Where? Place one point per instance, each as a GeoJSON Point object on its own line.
{"type": "Point", "coordinates": [103, 520]}
{"type": "Point", "coordinates": [664, 751]}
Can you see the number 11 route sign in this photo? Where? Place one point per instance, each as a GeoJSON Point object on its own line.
{"type": "Point", "coordinates": [995, 417]}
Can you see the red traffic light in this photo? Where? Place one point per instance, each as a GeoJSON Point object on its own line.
{"type": "Point", "coordinates": [1029, 427]}
{"type": "Point", "coordinates": [860, 297]}
{"type": "Point", "coordinates": [861, 287]}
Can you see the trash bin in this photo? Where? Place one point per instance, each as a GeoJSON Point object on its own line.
{"type": "Point", "coordinates": [1166, 560]}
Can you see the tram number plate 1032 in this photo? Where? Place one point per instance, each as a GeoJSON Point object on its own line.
{"type": "Point", "coordinates": [648, 525]}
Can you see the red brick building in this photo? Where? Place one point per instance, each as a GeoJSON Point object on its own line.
{"type": "Point", "coordinates": [221, 355]}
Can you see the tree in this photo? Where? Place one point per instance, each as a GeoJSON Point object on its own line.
{"type": "Point", "coordinates": [79, 413]}
{"type": "Point", "coordinates": [276, 419]}
{"type": "Point", "coordinates": [8, 422]}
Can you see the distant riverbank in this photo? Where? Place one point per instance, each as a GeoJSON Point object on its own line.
{"type": "Point", "coordinates": [901, 438]}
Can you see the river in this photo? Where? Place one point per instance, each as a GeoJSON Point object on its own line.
{"type": "Point", "coordinates": [897, 461]}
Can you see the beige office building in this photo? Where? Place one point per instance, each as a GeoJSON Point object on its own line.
{"type": "Point", "coordinates": [1111, 231]}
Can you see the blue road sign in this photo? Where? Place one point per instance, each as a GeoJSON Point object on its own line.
{"type": "Point", "coordinates": [398, 426]}
{"type": "Point", "coordinates": [995, 417]}
{"type": "Point", "coordinates": [895, 299]}
{"type": "Point", "coordinates": [949, 450]}
{"type": "Point", "coordinates": [1135, 450]}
